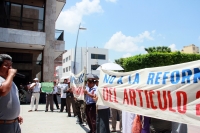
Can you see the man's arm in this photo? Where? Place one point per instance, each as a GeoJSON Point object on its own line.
{"type": "Point", "coordinates": [32, 85]}
{"type": "Point", "coordinates": [5, 86]}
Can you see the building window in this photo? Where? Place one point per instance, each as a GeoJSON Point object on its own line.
{"type": "Point", "coordinates": [94, 67]}
{"type": "Point", "coordinates": [69, 57]}
{"type": "Point", "coordinates": [98, 56]}
{"type": "Point", "coordinates": [66, 59]}
{"type": "Point", "coordinates": [63, 70]}
{"type": "Point", "coordinates": [69, 68]}
{"type": "Point", "coordinates": [23, 14]}
{"type": "Point", "coordinates": [63, 60]}
{"type": "Point", "coordinates": [66, 69]}
{"type": "Point", "coordinates": [22, 57]}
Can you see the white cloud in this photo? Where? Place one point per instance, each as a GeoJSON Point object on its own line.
{"type": "Point", "coordinates": [199, 38]}
{"type": "Point", "coordinates": [122, 43]}
{"type": "Point", "coordinates": [127, 55]}
{"type": "Point", "coordinates": [173, 47]}
{"type": "Point", "coordinates": [71, 18]}
{"type": "Point", "coordinates": [114, 1]}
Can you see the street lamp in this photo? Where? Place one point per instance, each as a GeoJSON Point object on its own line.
{"type": "Point", "coordinates": [79, 28]}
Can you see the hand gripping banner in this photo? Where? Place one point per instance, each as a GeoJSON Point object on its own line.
{"type": "Point", "coordinates": [170, 92]}
{"type": "Point", "coordinates": [77, 83]}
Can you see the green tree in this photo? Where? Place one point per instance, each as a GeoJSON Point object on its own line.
{"type": "Point", "coordinates": [159, 49]}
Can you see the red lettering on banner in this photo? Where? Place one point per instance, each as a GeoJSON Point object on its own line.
{"type": "Point", "coordinates": [151, 99]}
{"type": "Point", "coordinates": [170, 101]}
{"type": "Point", "coordinates": [110, 95]}
{"type": "Point", "coordinates": [164, 107]}
{"type": "Point", "coordinates": [105, 94]}
{"type": "Point", "coordinates": [140, 95]}
{"type": "Point", "coordinates": [115, 96]}
{"type": "Point", "coordinates": [132, 96]}
{"type": "Point", "coordinates": [181, 98]}
{"type": "Point", "coordinates": [125, 97]}
{"type": "Point", "coordinates": [147, 98]}
{"type": "Point", "coordinates": [198, 105]}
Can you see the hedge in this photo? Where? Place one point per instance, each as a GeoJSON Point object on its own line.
{"type": "Point", "coordinates": [157, 59]}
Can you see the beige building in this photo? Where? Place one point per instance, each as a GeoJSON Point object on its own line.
{"type": "Point", "coordinates": [27, 33]}
{"type": "Point", "coordinates": [191, 49]}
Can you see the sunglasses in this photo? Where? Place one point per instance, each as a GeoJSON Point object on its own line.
{"type": "Point", "coordinates": [91, 81]}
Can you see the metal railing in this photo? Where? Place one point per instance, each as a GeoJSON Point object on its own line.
{"type": "Point", "coordinates": [59, 35]}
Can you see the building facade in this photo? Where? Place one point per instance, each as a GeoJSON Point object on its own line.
{"type": "Point", "coordinates": [191, 49]}
{"type": "Point", "coordinates": [27, 33]}
{"type": "Point", "coordinates": [89, 58]}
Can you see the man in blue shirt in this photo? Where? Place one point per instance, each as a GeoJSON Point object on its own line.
{"type": "Point", "coordinates": [90, 93]}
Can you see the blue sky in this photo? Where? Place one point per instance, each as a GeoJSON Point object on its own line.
{"type": "Point", "coordinates": [126, 27]}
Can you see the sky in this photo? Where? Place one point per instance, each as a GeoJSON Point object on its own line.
{"type": "Point", "coordinates": [126, 27]}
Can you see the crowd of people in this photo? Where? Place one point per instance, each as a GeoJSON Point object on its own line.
{"type": "Point", "coordinates": [86, 111]}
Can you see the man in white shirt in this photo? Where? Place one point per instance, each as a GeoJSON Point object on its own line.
{"type": "Point", "coordinates": [63, 95]}
{"type": "Point", "coordinates": [35, 86]}
{"type": "Point", "coordinates": [102, 116]}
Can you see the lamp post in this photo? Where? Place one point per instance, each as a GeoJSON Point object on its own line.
{"type": "Point", "coordinates": [79, 28]}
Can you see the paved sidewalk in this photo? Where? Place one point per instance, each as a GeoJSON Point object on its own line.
{"type": "Point", "coordinates": [49, 122]}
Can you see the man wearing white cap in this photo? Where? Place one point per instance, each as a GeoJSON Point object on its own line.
{"type": "Point", "coordinates": [35, 86]}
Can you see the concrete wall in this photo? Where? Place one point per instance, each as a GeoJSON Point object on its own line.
{"type": "Point", "coordinates": [50, 18]}
{"type": "Point", "coordinates": [22, 36]}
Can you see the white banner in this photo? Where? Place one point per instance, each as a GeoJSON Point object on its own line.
{"type": "Point", "coordinates": [170, 92]}
{"type": "Point", "coordinates": [77, 83]}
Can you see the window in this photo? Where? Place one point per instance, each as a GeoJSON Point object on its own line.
{"type": "Point", "coordinates": [94, 67]}
{"type": "Point", "coordinates": [66, 69]}
{"type": "Point", "coordinates": [63, 60]}
{"type": "Point", "coordinates": [66, 59]}
{"type": "Point", "coordinates": [69, 68]}
{"type": "Point", "coordinates": [22, 57]}
{"type": "Point", "coordinates": [69, 57]}
{"type": "Point", "coordinates": [98, 56]}
{"type": "Point", "coordinates": [63, 70]}
{"type": "Point", "coordinates": [23, 14]}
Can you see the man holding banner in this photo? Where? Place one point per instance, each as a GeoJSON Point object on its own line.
{"type": "Point", "coordinates": [90, 93]}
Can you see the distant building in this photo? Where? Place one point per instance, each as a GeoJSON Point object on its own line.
{"type": "Point", "coordinates": [191, 49]}
{"type": "Point", "coordinates": [90, 58]}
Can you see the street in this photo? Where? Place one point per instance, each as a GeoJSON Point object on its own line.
{"type": "Point", "coordinates": [49, 122]}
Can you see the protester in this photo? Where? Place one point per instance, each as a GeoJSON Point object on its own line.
{"type": "Point", "coordinates": [102, 116]}
{"type": "Point", "coordinates": [63, 95]}
{"type": "Point", "coordinates": [49, 99]}
{"type": "Point", "coordinates": [55, 92]}
{"type": "Point", "coordinates": [114, 119]}
{"type": "Point", "coordinates": [9, 110]}
{"type": "Point", "coordinates": [80, 112]}
{"type": "Point", "coordinates": [179, 127]}
{"type": "Point", "coordinates": [35, 86]}
{"type": "Point", "coordinates": [90, 93]}
{"type": "Point", "coordinates": [158, 125]}
{"type": "Point", "coordinates": [70, 100]}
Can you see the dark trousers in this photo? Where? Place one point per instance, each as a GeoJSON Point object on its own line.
{"type": "Point", "coordinates": [10, 128]}
{"type": "Point", "coordinates": [102, 122]}
{"type": "Point", "coordinates": [55, 100]}
{"type": "Point", "coordinates": [91, 116]}
{"type": "Point", "coordinates": [70, 101]}
{"type": "Point", "coordinates": [80, 110]}
{"type": "Point", "coordinates": [49, 100]}
{"type": "Point", "coordinates": [63, 103]}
